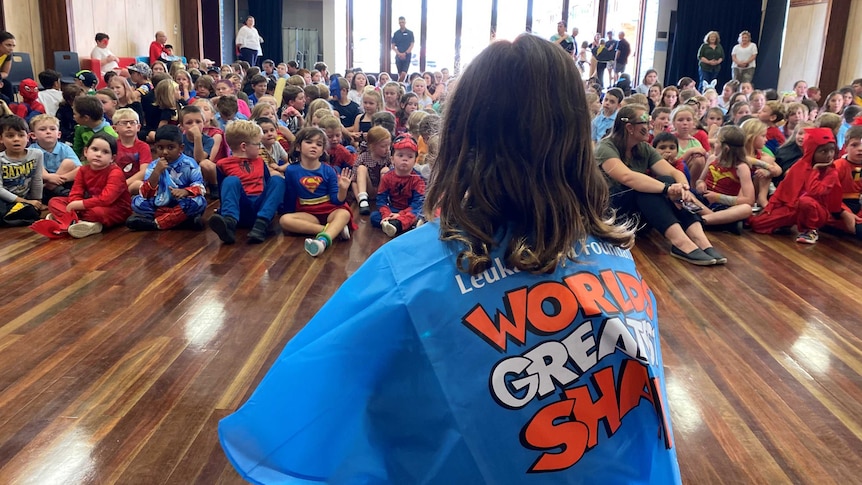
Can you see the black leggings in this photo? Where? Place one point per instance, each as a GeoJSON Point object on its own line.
{"type": "Point", "coordinates": [655, 209]}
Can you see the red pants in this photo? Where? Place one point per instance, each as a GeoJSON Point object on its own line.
{"type": "Point", "coordinates": [808, 214]}
{"type": "Point", "coordinates": [106, 216]}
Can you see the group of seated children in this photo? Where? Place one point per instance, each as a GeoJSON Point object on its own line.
{"type": "Point", "coordinates": [119, 182]}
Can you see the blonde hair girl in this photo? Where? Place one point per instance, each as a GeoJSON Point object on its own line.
{"type": "Point", "coordinates": [763, 165]}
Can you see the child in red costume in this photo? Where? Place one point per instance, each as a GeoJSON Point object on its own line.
{"type": "Point", "coordinates": [99, 197]}
{"type": "Point", "coordinates": [849, 169]}
{"type": "Point", "coordinates": [30, 105]}
{"type": "Point", "coordinates": [810, 194]}
{"type": "Point", "coordinates": [402, 190]}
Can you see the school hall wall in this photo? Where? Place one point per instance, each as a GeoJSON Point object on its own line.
{"type": "Point", "coordinates": [132, 25]}
{"type": "Point", "coordinates": [851, 67]}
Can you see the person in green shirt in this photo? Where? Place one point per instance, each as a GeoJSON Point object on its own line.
{"type": "Point", "coordinates": [709, 57]}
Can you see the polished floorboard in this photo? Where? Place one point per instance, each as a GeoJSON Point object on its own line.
{"type": "Point", "coordinates": [119, 353]}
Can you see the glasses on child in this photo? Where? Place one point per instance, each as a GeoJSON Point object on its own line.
{"type": "Point", "coordinates": [127, 123]}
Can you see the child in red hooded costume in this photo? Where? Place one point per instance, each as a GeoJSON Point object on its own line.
{"type": "Point", "coordinates": [810, 195]}
{"type": "Point", "coordinates": [30, 105]}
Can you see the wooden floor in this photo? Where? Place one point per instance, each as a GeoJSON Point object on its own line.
{"type": "Point", "coordinates": [119, 353]}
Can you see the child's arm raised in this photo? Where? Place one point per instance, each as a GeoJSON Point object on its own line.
{"type": "Point", "coordinates": [344, 180]}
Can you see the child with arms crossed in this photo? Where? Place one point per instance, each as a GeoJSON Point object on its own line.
{"type": "Point", "coordinates": [60, 163]}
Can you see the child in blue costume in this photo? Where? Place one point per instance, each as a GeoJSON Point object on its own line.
{"type": "Point", "coordinates": [314, 194]}
{"type": "Point", "coordinates": [509, 341]}
{"type": "Point", "coordinates": [173, 188]}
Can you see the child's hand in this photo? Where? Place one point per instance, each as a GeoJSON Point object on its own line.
{"type": "Point", "coordinates": [180, 193]}
{"type": "Point", "coordinates": [35, 203]}
{"type": "Point", "coordinates": [700, 186]}
{"type": "Point", "coordinates": [345, 179]}
{"type": "Point", "coordinates": [52, 178]}
{"type": "Point", "coordinates": [77, 205]}
{"type": "Point", "coordinates": [711, 196]}
{"type": "Point", "coordinates": [193, 133]}
{"type": "Point", "coordinates": [161, 165]}
{"type": "Point", "coordinates": [291, 111]}
{"type": "Point", "coordinates": [762, 173]}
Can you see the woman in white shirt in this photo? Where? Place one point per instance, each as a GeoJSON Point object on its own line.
{"type": "Point", "coordinates": [744, 57]}
{"type": "Point", "coordinates": [248, 41]}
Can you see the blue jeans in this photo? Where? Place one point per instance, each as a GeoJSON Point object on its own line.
{"type": "Point", "coordinates": [246, 208]}
{"type": "Point", "coordinates": [706, 76]}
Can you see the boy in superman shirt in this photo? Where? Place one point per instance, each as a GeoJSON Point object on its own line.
{"type": "Point", "coordinates": [173, 188]}
{"type": "Point", "coordinates": [249, 195]}
{"type": "Point", "coordinates": [401, 192]}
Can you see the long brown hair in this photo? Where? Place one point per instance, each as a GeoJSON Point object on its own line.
{"type": "Point", "coordinates": [519, 162]}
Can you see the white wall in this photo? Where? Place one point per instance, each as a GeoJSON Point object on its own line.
{"type": "Point", "coordinates": [851, 68]}
{"type": "Point", "coordinates": [334, 34]}
{"type": "Point", "coordinates": [803, 47]}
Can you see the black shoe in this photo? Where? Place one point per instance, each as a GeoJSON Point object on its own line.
{"type": "Point", "coordinates": [141, 223]}
{"type": "Point", "coordinates": [259, 231]}
{"type": "Point", "coordinates": [224, 227]}
{"type": "Point", "coordinates": [697, 257]}
{"type": "Point", "coordinates": [719, 258]}
{"type": "Point", "coordinates": [194, 224]}
{"type": "Point", "coordinates": [213, 192]}
{"type": "Point", "coordinates": [364, 207]}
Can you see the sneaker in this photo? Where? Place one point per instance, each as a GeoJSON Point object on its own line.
{"type": "Point", "coordinates": [808, 237]}
{"type": "Point", "coordinates": [49, 217]}
{"type": "Point", "coordinates": [756, 209]}
{"type": "Point", "coordinates": [696, 257]}
{"type": "Point", "coordinates": [391, 227]}
{"type": "Point", "coordinates": [259, 231]}
{"type": "Point", "coordinates": [719, 258]}
{"type": "Point", "coordinates": [83, 229]}
{"type": "Point", "coordinates": [364, 208]}
{"type": "Point", "coordinates": [314, 247]}
{"type": "Point", "coordinates": [345, 233]}
{"type": "Point", "coordinates": [224, 227]}
{"type": "Point", "coordinates": [141, 223]}
{"type": "Point", "coordinates": [420, 221]}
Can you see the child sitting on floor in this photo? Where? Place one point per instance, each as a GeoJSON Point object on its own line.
{"type": "Point", "coordinates": [725, 186]}
{"type": "Point", "coordinates": [99, 197]}
{"type": "Point", "coordinates": [21, 169]}
{"type": "Point", "coordinates": [316, 194]}
{"type": "Point", "coordinates": [401, 192]}
{"type": "Point", "coordinates": [810, 193]}
{"type": "Point", "coordinates": [173, 191]}
{"type": "Point", "coordinates": [133, 154]}
{"type": "Point", "coordinates": [60, 163]}
{"type": "Point", "coordinates": [249, 195]}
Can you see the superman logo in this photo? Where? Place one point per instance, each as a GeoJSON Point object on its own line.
{"type": "Point", "coordinates": [311, 183]}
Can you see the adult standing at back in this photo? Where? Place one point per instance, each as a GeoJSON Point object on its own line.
{"type": "Point", "coordinates": [624, 50]}
{"type": "Point", "coordinates": [402, 44]}
{"type": "Point", "coordinates": [710, 56]}
{"type": "Point", "coordinates": [248, 41]}
{"type": "Point", "coordinates": [744, 56]}
{"type": "Point", "coordinates": [563, 39]}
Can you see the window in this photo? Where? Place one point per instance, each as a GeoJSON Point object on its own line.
{"type": "Point", "coordinates": [625, 16]}
{"type": "Point", "coordinates": [411, 10]}
{"type": "Point", "coordinates": [511, 19]}
{"type": "Point", "coordinates": [546, 15]}
{"type": "Point", "coordinates": [475, 30]}
{"type": "Point", "coordinates": [366, 35]}
{"type": "Point", "coordinates": [440, 49]}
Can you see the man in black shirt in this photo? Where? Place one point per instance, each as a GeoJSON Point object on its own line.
{"type": "Point", "coordinates": [402, 44]}
{"type": "Point", "coordinates": [624, 49]}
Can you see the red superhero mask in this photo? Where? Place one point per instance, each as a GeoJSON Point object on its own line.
{"type": "Point", "coordinates": [29, 90]}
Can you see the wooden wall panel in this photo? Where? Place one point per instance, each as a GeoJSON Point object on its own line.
{"type": "Point", "coordinates": [851, 65]}
{"type": "Point", "coordinates": [132, 24]}
{"type": "Point", "coordinates": [803, 51]}
{"type": "Point", "coordinates": [836, 30]}
{"type": "Point", "coordinates": [23, 21]}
